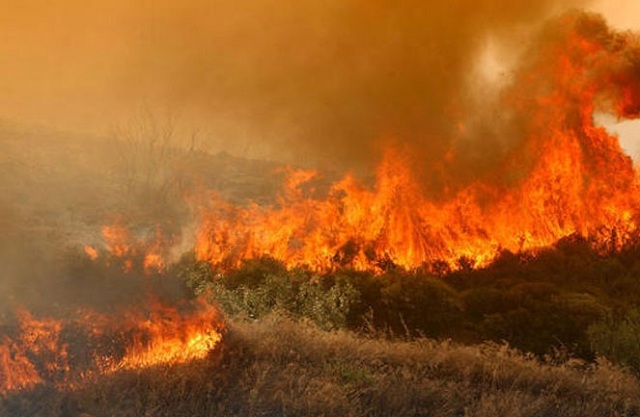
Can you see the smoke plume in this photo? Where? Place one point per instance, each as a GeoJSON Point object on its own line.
{"type": "Point", "coordinates": [310, 81]}
{"type": "Point", "coordinates": [463, 90]}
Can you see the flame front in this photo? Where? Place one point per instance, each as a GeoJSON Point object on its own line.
{"type": "Point", "coordinates": [567, 176]}
{"type": "Point", "coordinates": [168, 337]}
{"type": "Point", "coordinates": [40, 351]}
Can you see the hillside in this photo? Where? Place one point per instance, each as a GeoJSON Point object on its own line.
{"type": "Point", "coordinates": [429, 341]}
{"type": "Point", "coordinates": [280, 368]}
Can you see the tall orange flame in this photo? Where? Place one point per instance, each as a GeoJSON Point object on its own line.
{"type": "Point", "coordinates": [568, 176]}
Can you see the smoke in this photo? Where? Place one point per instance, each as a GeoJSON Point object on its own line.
{"type": "Point", "coordinates": [328, 81]}
{"type": "Point", "coordinates": [309, 81]}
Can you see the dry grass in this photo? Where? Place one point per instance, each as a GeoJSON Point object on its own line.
{"type": "Point", "coordinates": [280, 368]}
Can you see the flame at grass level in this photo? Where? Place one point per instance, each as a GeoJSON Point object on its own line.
{"type": "Point", "coordinates": [40, 352]}
{"type": "Point", "coordinates": [566, 176]}
{"type": "Point", "coordinates": [168, 337]}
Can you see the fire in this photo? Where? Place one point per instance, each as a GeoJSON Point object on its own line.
{"type": "Point", "coordinates": [17, 371]}
{"type": "Point", "coordinates": [168, 337]}
{"type": "Point", "coordinates": [568, 176]}
{"type": "Point", "coordinates": [38, 338]}
{"type": "Point", "coordinates": [91, 252]}
{"type": "Point", "coordinates": [118, 240]}
{"type": "Point", "coordinates": [40, 350]}
{"type": "Point", "coordinates": [149, 252]}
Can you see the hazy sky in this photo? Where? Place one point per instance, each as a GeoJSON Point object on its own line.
{"type": "Point", "coordinates": [87, 64]}
{"type": "Point", "coordinates": [623, 14]}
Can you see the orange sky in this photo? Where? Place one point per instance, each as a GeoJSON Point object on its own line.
{"type": "Point", "coordinates": [58, 62]}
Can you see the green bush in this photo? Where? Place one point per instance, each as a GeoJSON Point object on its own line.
{"type": "Point", "coordinates": [618, 339]}
{"type": "Point", "coordinates": [421, 304]}
{"type": "Point", "coordinates": [328, 307]}
{"type": "Point", "coordinates": [195, 275]}
{"type": "Point", "coordinates": [263, 286]}
{"type": "Point", "coordinates": [274, 293]}
{"type": "Point", "coordinates": [537, 302]}
{"type": "Point", "coordinates": [253, 273]}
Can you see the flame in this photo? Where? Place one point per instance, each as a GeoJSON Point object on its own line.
{"type": "Point", "coordinates": [568, 176]}
{"type": "Point", "coordinates": [153, 262]}
{"type": "Point", "coordinates": [40, 351]}
{"type": "Point", "coordinates": [17, 371]}
{"type": "Point", "coordinates": [91, 252]}
{"type": "Point", "coordinates": [168, 337]}
{"type": "Point", "coordinates": [149, 253]}
{"type": "Point", "coordinates": [117, 239]}
{"type": "Point", "coordinates": [39, 338]}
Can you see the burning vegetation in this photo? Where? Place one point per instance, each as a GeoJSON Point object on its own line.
{"type": "Point", "coordinates": [567, 176]}
{"type": "Point", "coordinates": [534, 240]}
{"type": "Point", "coordinates": [70, 352]}
{"type": "Point", "coordinates": [122, 247]}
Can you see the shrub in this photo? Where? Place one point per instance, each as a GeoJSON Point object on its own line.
{"type": "Point", "coordinates": [195, 275]}
{"type": "Point", "coordinates": [421, 304]}
{"type": "Point", "coordinates": [275, 292]}
{"type": "Point", "coordinates": [618, 339]}
{"type": "Point", "coordinates": [327, 307]}
{"type": "Point", "coordinates": [263, 286]}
